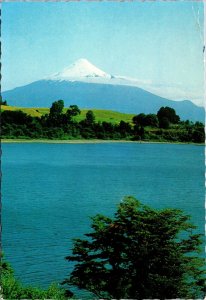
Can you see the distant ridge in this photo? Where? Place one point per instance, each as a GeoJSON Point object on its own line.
{"type": "Point", "coordinates": [89, 87]}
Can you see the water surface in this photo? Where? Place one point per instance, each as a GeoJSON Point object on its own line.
{"type": "Point", "coordinates": [50, 191]}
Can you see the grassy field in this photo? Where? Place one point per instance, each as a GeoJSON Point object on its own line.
{"type": "Point", "coordinates": [100, 115]}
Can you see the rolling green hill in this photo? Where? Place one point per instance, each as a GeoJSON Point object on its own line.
{"type": "Point", "coordinates": [100, 115]}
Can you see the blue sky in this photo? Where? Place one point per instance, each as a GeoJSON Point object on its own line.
{"type": "Point", "coordinates": [159, 43]}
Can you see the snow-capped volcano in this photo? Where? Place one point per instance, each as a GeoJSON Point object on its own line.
{"type": "Point", "coordinates": [80, 69]}
{"type": "Point", "coordinates": [84, 71]}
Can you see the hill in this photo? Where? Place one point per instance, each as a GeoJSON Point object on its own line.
{"type": "Point", "coordinates": [100, 114]}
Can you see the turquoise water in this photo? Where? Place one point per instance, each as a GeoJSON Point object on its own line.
{"type": "Point", "coordinates": [49, 191]}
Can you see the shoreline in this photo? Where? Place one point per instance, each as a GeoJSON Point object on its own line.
{"type": "Point", "coordinates": [92, 141]}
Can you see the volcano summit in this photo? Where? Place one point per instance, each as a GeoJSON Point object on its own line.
{"type": "Point", "coordinates": [80, 69]}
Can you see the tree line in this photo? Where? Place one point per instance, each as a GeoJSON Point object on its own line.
{"type": "Point", "coordinates": [163, 126]}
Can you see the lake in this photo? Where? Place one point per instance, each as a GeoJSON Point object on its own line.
{"type": "Point", "coordinates": [49, 192]}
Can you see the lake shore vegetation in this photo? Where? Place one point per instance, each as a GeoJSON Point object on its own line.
{"type": "Point", "coordinates": [71, 124]}
{"type": "Point", "coordinates": [12, 288]}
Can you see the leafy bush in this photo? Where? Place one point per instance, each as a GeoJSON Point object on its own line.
{"type": "Point", "coordinates": [13, 289]}
{"type": "Point", "coordinates": [140, 253]}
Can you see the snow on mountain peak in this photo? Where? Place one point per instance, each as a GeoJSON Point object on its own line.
{"type": "Point", "coordinates": [81, 68]}
{"type": "Point", "coordinates": [84, 71]}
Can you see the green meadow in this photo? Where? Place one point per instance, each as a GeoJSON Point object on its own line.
{"type": "Point", "coordinates": [100, 114]}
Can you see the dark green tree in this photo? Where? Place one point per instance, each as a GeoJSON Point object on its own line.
{"type": "Point", "coordinates": [140, 253]}
{"type": "Point", "coordinates": [198, 125]}
{"type": "Point", "coordinates": [164, 123]}
{"type": "Point", "coordinates": [169, 113]}
{"type": "Point", "coordinates": [139, 119]}
{"type": "Point", "coordinates": [17, 117]}
{"type": "Point", "coordinates": [108, 129]}
{"type": "Point", "coordinates": [57, 107]}
{"type": "Point", "coordinates": [72, 111]}
{"type": "Point", "coordinates": [70, 125]}
{"type": "Point", "coordinates": [90, 118]}
{"type": "Point", "coordinates": [151, 120]}
{"type": "Point", "coordinates": [88, 126]}
{"type": "Point", "coordinates": [138, 132]}
{"type": "Point", "coordinates": [55, 117]}
{"type": "Point", "coordinates": [198, 135]}
{"type": "Point", "coordinates": [124, 128]}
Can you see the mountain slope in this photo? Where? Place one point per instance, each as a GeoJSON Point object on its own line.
{"type": "Point", "coordinates": [103, 96]}
{"type": "Point", "coordinates": [89, 87]}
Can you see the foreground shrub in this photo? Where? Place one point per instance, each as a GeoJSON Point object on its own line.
{"type": "Point", "coordinates": [13, 289]}
{"type": "Point", "coordinates": [141, 253]}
